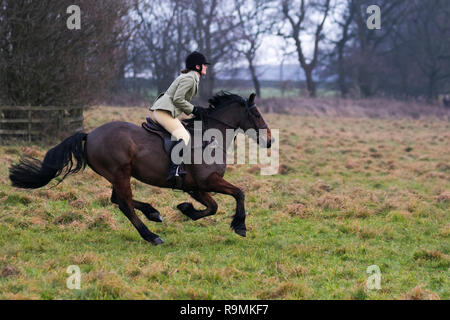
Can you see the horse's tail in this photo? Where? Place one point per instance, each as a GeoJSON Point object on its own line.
{"type": "Point", "coordinates": [30, 173]}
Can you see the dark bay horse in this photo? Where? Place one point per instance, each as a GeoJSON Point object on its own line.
{"type": "Point", "coordinates": [120, 150]}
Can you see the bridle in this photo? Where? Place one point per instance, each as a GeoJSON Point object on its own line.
{"type": "Point", "coordinates": [248, 108]}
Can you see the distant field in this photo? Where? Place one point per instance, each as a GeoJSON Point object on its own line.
{"type": "Point", "coordinates": [351, 193]}
{"type": "Point", "coordinates": [272, 92]}
{"type": "Point", "coordinates": [266, 92]}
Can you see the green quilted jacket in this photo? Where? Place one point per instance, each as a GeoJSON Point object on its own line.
{"type": "Point", "coordinates": [176, 98]}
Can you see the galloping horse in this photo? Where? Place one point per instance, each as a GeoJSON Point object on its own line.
{"type": "Point", "coordinates": [121, 150]}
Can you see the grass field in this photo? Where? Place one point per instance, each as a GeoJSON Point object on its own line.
{"type": "Point", "coordinates": [350, 193]}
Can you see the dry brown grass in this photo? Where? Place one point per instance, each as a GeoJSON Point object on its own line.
{"type": "Point", "coordinates": [84, 258]}
{"type": "Point", "coordinates": [367, 108]}
{"type": "Point", "coordinates": [286, 290]}
{"type": "Point", "coordinates": [444, 197]}
{"type": "Point", "coordinates": [418, 293]}
{"type": "Point", "coordinates": [298, 210]}
{"type": "Point", "coordinates": [9, 271]}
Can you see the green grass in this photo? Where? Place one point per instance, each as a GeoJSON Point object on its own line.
{"type": "Point", "coordinates": [348, 196]}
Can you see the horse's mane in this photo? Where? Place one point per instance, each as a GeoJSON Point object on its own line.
{"type": "Point", "coordinates": [219, 101]}
{"type": "Point", "coordinates": [223, 99]}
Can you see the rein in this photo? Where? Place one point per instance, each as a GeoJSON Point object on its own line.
{"type": "Point", "coordinates": [205, 117]}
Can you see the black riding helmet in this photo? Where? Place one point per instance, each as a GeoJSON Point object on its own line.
{"type": "Point", "coordinates": [195, 58]}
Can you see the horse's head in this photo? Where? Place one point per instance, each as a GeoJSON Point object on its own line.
{"type": "Point", "coordinates": [238, 113]}
{"type": "Point", "coordinates": [252, 119]}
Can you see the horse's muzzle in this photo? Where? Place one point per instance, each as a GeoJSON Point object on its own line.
{"type": "Point", "coordinates": [267, 143]}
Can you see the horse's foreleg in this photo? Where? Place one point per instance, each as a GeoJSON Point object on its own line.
{"type": "Point", "coordinates": [124, 198]}
{"type": "Point", "coordinates": [147, 209]}
{"type": "Point", "coordinates": [216, 183]}
{"type": "Point", "coordinates": [204, 198]}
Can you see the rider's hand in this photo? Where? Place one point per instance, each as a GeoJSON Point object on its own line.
{"type": "Point", "coordinates": [198, 111]}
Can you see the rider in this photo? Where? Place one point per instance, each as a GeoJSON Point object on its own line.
{"type": "Point", "coordinates": [169, 106]}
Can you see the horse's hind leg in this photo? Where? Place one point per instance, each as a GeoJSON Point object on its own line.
{"type": "Point", "coordinates": [147, 209]}
{"type": "Point", "coordinates": [204, 198]}
{"type": "Point", "coordinates": [124, 198]}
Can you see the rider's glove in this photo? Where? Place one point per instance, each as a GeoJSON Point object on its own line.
{"type": "Point", "coordinates": [198, 111]}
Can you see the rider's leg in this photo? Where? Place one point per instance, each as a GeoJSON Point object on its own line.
{"type": "Point", "coordinates": [178, 131]}
{"type": "Point", "coordinates": [172, 125]}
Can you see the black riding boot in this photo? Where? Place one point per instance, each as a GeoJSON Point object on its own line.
{"type": "Point", "coordinates": [175, 170]}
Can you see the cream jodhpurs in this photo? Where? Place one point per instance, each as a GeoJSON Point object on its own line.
{"type": "Point", "coordinates": [171, 124]}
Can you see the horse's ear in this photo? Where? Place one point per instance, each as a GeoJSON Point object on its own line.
{"type": "Point", "coordinates": [251, 99]}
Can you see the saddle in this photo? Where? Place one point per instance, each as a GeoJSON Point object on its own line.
{"type": "Point", "coordinates": [154, 127]}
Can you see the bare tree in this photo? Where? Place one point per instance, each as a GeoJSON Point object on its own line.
{"type": "Point", "coordinates": [362, 57]}
{"type": "Point", "coordinates": [42, 62]}
{"type": "Point", "coordinates": [428, 42]}
{"type": "Point", "coordinates": [212, 27]}
{"type": "Point", "coordinates": [370, 41]}
{"type": "Point", "coordinates": [338, 57]}
{"type": "Point", "coordinates": [164, 38]}
{"type": "Point", "coordinates": [254, 24]}
{"type": "Point", "coordinates": [298, 15]}
{"type": "Point", "coordinates": [409, 56]}
{"type": "Point", "coordinates": [170, 29]}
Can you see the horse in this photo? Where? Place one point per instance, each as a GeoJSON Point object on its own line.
{"type": "Point", "coordinates": [120, 150]}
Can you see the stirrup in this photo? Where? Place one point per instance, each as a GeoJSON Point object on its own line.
{"type": "Point", "coordinates": [179, 172]}
{"type": "Point", "coordinates": [178, 176]}
{"type": "Point", "coordinates": [177, 179]}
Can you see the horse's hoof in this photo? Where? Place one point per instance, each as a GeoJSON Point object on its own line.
{"type": "Point", "coordinates": [185, 207]}
{"type": "Point", "coordinates": [188, 210]}
{"type": "Point", "coordinates": [155, 216]}
{"type": "Point", "coordinates": [157, 241]}
{"type": "Point", "coordinates": [241, 232]}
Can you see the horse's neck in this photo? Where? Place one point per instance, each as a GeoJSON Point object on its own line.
{"type": "Point", "coordinates": [222, 127]}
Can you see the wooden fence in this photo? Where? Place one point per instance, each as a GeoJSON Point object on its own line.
{"type": "Point", "coordinates": [36, 121]}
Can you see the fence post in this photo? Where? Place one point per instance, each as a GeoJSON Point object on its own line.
{"type": "Point", "coordinates": [26, 126]}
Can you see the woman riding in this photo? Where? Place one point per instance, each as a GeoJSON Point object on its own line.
{"type": "Point", "coordinates": [170, 106]}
